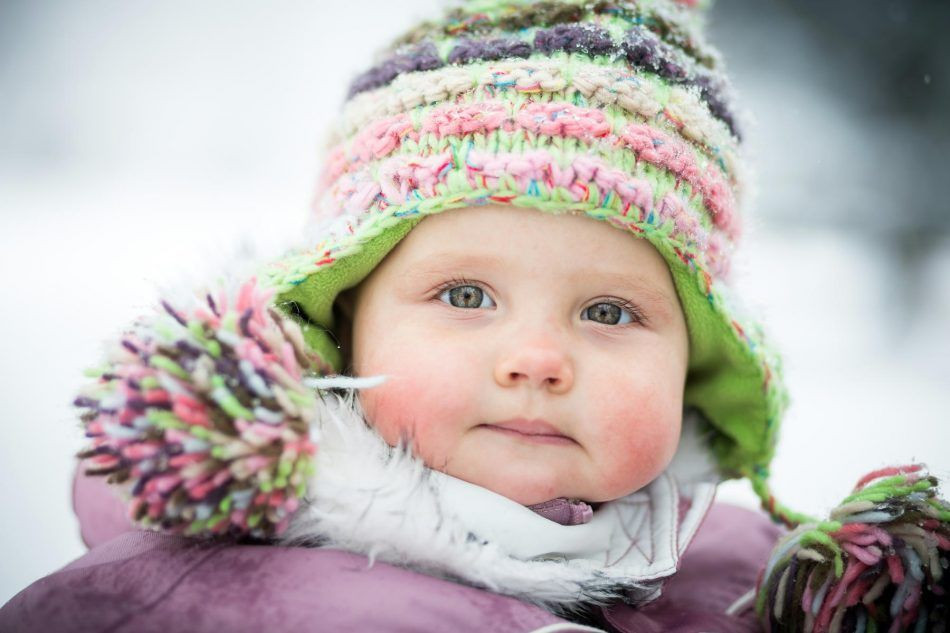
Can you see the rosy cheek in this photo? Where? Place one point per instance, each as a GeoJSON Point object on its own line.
{"type": "Point", "coordinates": [426, 406]}
{"type": "Point", "coordinates": [635, 443]}
{"type": "Point", "coordinates": [388, 409]}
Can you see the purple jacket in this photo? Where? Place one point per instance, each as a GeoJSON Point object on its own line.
{"type": "Point", "coordinates": [133, 580]}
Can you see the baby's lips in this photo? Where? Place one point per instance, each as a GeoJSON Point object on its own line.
{"type": "Point", "coordinates": [533, 428]}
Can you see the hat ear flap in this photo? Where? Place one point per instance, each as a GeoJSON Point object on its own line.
{"type": "Point", "coordinates": [309, 284]}
{"type": "Point", "coordinates": [344, 310]}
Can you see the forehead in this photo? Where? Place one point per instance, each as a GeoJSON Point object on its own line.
{"type": "Point", "coordinates": [505, 238]}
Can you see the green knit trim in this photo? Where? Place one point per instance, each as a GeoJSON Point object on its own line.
{"type": "Point", "coordinates": [316, 297]}
{"type": "Point", "coordinates": [759, 478]}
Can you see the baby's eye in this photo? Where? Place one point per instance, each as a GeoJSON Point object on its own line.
{"type": "Point", "coordinates": [608, 314]}
{"type": "Point", "coordinates": [466, 297]}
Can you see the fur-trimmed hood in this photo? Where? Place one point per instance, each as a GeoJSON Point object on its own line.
{"type": "Point", "coordinates": [373, 499]}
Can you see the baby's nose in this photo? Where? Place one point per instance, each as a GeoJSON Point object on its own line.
{"type": "Point", "coordinates": [536, 366]}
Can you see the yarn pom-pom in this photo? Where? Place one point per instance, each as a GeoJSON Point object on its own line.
{"type": "Point", "coordinates": [879, 564]}
{"type": "Point", "coordinates": [201, 415]}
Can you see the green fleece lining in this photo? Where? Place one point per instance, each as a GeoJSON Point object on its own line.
{"type": "Point", "coordinates": [725, 377]}
{"type": "Point", "coordinates": [316, 295]}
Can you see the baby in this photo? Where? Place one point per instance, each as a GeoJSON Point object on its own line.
{"type": "Point", "coordinates": [539, 356]}
{"type": "Point", "coordinates": [538, 361]}
{"type": "Point", "coordinates": [524, 227]}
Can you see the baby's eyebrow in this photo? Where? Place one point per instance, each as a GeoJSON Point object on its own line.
{"type": "Point", "coordinates": [632, 281]}
{"type": "Point", "coordinates": [438, 262]}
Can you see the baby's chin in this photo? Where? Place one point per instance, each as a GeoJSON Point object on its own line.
{"type": "Point", "coordinates": [525, 495]}
{"type": "Point", "coordinates": [530, 473]}
{"type": "Point", "coordinates": [530, 496]}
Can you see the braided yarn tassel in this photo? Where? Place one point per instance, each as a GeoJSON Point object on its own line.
{"type": "Point", "coordinates": [201, 416]}
{"type": "Point", "coordinates": [879, 564]}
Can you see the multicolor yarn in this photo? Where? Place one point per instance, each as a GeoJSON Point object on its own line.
{"type": "Point", "coordinates": [202, 416]}
{"type": "Point", "coordinates": [639, 46]}
{"type": "Point", "coordinates": [567, 79]}
{"type": "Point", "coordinates": [668, 162]}
{"type": "Point", "coordinates": [880, 563]}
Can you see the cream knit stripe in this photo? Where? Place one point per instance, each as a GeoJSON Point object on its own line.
{"type": "Point", "coordinates": [525, 123]}
{"type": "Point", "coordinates": [672, 108]}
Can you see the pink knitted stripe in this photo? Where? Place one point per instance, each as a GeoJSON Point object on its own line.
{"type": "Point", "coordinates": [401, 179]}
{"type": "Point", "coordinates": [555, 119]}
{"type": "Point", "coordinates": [665, 151]}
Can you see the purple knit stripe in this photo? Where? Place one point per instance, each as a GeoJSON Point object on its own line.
{"type": "Point", "coordinates": [421, 57]}
{"type": "Point", "coordinates": [643, 49]}
{"type": "Point", "coordinates": [640, 48]}
{"type": "Point", "coordinates": [574, 38]}
{"type": "Point", "coordinates": [467, 51]}
{"type": "Point", "coordinates": [517, 17]}
{"type": "Point", "coordinates": [711, 92]}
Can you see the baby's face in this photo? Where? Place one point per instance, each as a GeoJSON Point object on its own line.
{"type": "Point", "coordinates": [538, 356]}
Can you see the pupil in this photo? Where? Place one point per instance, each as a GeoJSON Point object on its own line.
{"type": "Point", "coordinates": [605, 313]}
{"type": "Point", "coordinates": [466, 296]}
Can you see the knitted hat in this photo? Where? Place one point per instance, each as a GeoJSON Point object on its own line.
{"type": "Point", "coordinates": [615, 109]}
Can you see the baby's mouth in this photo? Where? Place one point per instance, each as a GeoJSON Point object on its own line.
{"type": "Point", "coordinates": [536, 431]}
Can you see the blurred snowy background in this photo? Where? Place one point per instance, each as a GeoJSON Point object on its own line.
{"type": "Point", "coordinates": [143, 142]}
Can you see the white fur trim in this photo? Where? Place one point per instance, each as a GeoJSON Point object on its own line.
{"type": "Point", "coordinates": [373, 499]}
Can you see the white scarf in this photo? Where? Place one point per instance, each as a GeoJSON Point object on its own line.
{"type": "Point", "coordinates": [369, 498]}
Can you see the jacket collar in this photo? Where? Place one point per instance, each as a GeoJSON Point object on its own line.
{"type": "Point", "coordinates": [370, 498]}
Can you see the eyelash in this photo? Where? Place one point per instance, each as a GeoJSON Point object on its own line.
{"type": "Point", "coordinates": [637, 317]}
